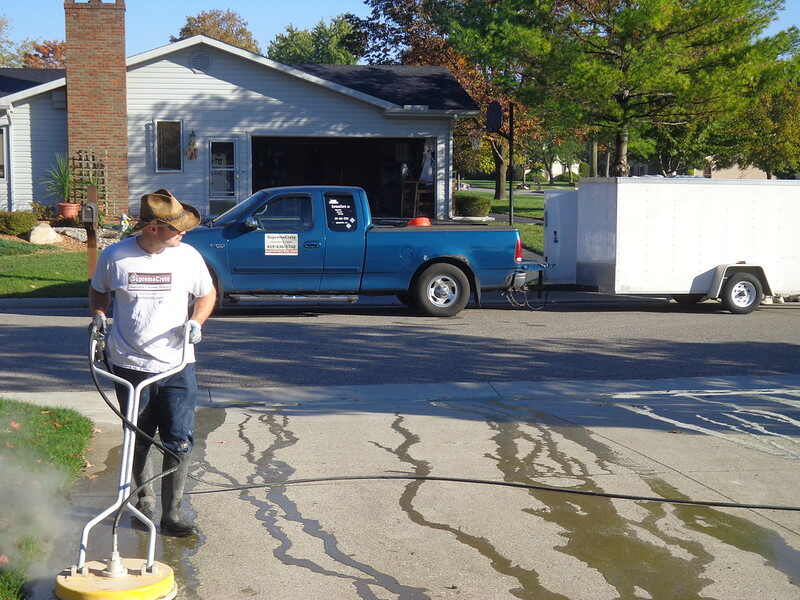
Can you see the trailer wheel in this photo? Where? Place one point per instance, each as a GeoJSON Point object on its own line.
{"type": "Point", "coordinates": [688, 299]}
{"type": "Point", "coordinates": [742, 293]}
{"type": "Point", "coordinates": [441, 290]}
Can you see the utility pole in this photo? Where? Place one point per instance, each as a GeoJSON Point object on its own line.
{"type": "Point", "coordinates": [511, 163]}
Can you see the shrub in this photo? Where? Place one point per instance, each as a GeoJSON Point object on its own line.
{"type": "Point", "coordinates": [17, 222]}
{"type": "Point", "coordinates": [471, 205]}
{"type": "Point", "coordinates": [70, 222]}
{"type": "Point", "coordinates": [43, 212]}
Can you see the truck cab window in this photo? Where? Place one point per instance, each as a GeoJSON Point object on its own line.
{"type": "Point", "coordinates": [286, 213]}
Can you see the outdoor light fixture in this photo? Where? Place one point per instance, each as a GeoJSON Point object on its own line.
{"type": "Point", "coordinates": [191, 147]}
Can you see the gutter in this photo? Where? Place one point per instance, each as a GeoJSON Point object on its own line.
{"type": "Point", "coordinates": [422, 111]}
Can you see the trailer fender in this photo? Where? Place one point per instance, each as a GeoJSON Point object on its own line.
{"type": "Point", "coordinates": [723, 272]}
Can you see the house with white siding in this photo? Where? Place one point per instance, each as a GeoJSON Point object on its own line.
{"type": "Point", "coordinates": [214, 123]}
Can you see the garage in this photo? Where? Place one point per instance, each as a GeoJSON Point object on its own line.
{"type": "Point", "coordinates": [397, 173]}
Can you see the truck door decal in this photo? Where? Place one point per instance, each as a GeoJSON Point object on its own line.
{"type": "Point", "coordinates": [281, 244]}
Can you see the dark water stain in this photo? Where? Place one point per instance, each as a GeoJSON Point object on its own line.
{"type": "Point", "coordinates": [528, 579]}
{"type": "Point", "coordinates": [735, 531]}
{"type": "Point", "coordinates": [594, 532]}
{"type": "Point", "coordinates": [279, 507]}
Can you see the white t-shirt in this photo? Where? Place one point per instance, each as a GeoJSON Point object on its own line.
{"type": "Point", "coordinates": [151, 297]}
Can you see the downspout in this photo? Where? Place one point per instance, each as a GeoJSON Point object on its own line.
{"type": "Point", "coordinates": [448, 185]}
{"type": "Point", "coordinates": [9, 108]}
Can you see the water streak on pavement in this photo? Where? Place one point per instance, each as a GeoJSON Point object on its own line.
{"type": "Point", "coordinates": [279, 507]}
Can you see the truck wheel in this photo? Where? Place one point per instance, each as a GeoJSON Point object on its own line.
{"type": "Point", "coordinates": [742, 293]}
{"type": "Point", "coordinates": [442, 290]}
{"type": "Point", "coordinates": [688, 299]}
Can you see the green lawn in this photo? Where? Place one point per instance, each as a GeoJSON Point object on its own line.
{"type": "Point", "coordinates": [41, 454]}
{"type": "Point", "coordinates": [489, 184]}
{"type": "Point", "coordinates": [28, 271]}
{"type": "Point", "coordinates": [532, 235]}
{"type": "Point", "coordinates": [524, 206]}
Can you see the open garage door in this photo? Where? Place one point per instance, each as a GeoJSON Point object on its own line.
{"type": "Point", "coordinates": [391, 170]}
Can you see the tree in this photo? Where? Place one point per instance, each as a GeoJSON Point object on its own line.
{"type": "Point", "coordinates": [768, 134]}
{"type": "Point", "coordinates": [618, 65]}
{"type": "Point", "coordinates": [406, 31]}
{"type": "Point", "coordinates": [11, 54]}
{"type": "Point", "coordinates": [337, 43]}
{"type": "Point", "coordinates": [223, 25]}
{"type": "Point", "coordinates": [48, 54]}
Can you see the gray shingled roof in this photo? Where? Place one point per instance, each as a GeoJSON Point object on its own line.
{"type": "Point", "coordinates": [399, 84]}
{"type": "Point", "coordinates": [15, 80]}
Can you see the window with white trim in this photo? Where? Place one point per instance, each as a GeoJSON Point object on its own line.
{"type": "Point", "coordinates": [169, 157]}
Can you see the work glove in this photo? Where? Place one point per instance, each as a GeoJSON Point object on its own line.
{"type": "Point", "coordinates": [99, 322]}
{"type": "Point", "coordinates": [195, 333]}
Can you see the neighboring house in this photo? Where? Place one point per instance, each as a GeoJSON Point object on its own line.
{"type": "Point", "coordinates": [213, 123]}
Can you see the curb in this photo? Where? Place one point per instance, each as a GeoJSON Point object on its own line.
{"type": "Point", "coordinates": [6, 303]}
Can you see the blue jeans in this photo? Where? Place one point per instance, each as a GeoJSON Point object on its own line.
{"type": "Point", "coordinates": [167, 406]}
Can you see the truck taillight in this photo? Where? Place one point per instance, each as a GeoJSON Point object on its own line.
{"type": "Point", "coordinates": [518, 250]}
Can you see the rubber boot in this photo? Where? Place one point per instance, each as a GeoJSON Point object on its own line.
{"type": "Point", "coordinates": [142, 471]}
{"type": "Point", "coordinates": [172, 523]}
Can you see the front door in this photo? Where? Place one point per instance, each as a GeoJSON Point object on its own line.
{"type": "Point", "coordinates": [224, 186]}
{"type": "Point", "coordinates": [286, 252]}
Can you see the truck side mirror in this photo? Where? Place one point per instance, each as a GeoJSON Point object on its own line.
{"type": "Point", "coordinates": [250, 223]}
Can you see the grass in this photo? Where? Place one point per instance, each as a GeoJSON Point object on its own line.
{"type": "Point", "coordinates": [41, 274]}
{"type": "Point", "coordinates": [532, 235]}
{"type": "Point", "coordinates": [489, 184]}
{"type": "Point", "coordinates": [34, 442]}
{"type": "Point", "coordinates": [524, 206]}
{"type": "Point", "coordinates": [12, 248]}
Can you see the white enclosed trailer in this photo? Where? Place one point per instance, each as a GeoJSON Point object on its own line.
{"type": "Point", "coordinates": [688, 238]}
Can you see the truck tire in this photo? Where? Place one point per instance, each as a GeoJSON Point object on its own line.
{"type": "Point", "coordinates": [441, 290]}
{"type": "Point", "coordinates": [742, 293]}
{"type": "Point", "coordinates": [688, 299]}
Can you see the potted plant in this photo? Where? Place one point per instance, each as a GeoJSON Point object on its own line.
{"type": "Point", "coordinates": [60, 182]}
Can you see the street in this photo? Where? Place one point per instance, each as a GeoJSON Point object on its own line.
{"type": "Point", "coordinates": [576, 337]}
{"type": "Point", "coordinates": [602, 395]}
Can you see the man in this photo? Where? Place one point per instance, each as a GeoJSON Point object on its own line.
{"type": "Point", "coordinates": [154, 277]}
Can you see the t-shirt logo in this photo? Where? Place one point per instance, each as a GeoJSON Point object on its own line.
{"type": "Point", "coordinates": [149, 282]}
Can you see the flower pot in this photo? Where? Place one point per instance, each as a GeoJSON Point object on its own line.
{"type": "Point", "coordinates": [68, 210]}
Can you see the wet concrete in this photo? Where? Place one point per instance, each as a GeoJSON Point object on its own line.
{"type": "Point", "coordinates": [423, 539]}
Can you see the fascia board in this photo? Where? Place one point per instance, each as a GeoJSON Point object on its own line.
{"type": "Point", "coordinates": [33, 91]}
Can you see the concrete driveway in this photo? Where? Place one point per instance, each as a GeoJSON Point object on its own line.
{"type": "Point", "coordinates": [719, 439]}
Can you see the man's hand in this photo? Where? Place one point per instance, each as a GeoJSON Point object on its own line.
{"type": "Point", "coordinates": [195, 332]}
{"type": "Point", "coordinates": [99, 322]}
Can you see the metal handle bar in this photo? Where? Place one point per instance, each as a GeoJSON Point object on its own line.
{"type": "Point", "coordinates": [128, 439]}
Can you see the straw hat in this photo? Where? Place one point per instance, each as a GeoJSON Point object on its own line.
{"type": "Point", "coordinates": [163, 207]}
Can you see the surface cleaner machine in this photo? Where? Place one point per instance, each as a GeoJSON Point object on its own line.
{"type": "Point", "coordinates": [118, 578]}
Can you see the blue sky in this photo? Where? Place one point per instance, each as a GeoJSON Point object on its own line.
{"type": "Point", "coordinates": [149, 23]}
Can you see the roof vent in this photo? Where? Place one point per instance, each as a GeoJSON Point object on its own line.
{"type": "Point", "coordinates": [200, 61]}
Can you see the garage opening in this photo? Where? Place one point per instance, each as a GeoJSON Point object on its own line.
{"type": "Point", "coordinates": [395, 172]}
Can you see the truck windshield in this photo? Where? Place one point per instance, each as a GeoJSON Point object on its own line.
{"type": "Point", "coordinates": [241, 210]}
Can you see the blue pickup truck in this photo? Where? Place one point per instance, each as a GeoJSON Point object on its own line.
{"type": "Point", "coordinates": [320, 243]}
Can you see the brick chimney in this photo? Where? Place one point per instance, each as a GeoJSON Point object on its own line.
{"type": "Point", "coordinates": [97, 113]}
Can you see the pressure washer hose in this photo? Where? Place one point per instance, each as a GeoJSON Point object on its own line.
{"type": "Point", "coordinates": [512, 484]}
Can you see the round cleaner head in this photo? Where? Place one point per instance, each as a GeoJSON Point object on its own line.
{"type": "Point", "coordinates": [96, 583]}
